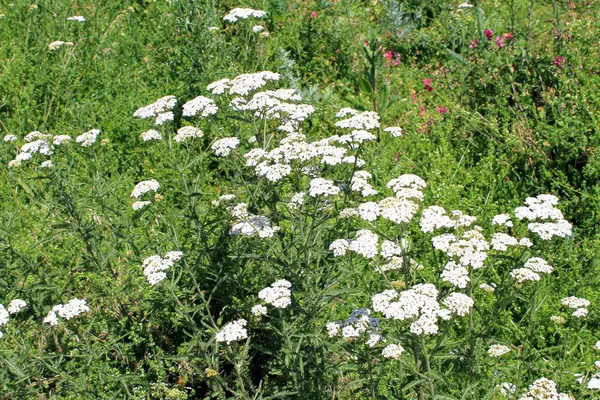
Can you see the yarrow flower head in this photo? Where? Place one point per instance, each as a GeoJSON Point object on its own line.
{"type": "Point", "coordinates": [243, 13]}
{"type": "Point", "coordinates": [201, 105]}
{"type": "Point", "coordinates": [360, 323]}
{"type": "Point", "coordinates": [393, 351]}
{"type": "Point", "coordinates": [150, 135]}
{"type": "Point", "coordinates": [322, 187]}
{"type": "Point", "coordinates": [455, 274]}
{"type": "Point", "coordinates": [278, 294]}
{"type": "Point", "coordinates": [162, 105]}
{"type": "Point", "coordinates": [144, 187]}
{"type": "Point", "coordinates": [395, 131]}
{"type": "Point", "coordinates": [498, 350]}
{"type": "Point", "coordinates": [187, 133]}
{"type": "Point", "coordinates": [73, 308]}
{"type": "Point", "coordinates": [366, 120]}
{"type": "Point", "coordinates": [223, 147]}
{"type": "Point", "coordinates": [233, 331]}
{"type": "Point", "coordinates": [541, 389]}
{"type": "Point", "coordinates": [162, 118]}
{"type": "Point", "coordinates": [88, 138]}
{"type": "Point", "coordinates": [155, 266]}
{"type": "Point", "coordinates": [259, 310]}
{"type": "Point", "coordinates": [365, 243]}
{"type": "Point", "coordinates": [459, 303]}
{"type": "Point", "coordinates": [16, 305]}
{"type": "Point", "coordinates": [419, 305]}
{"type": "Point", "coordinates": [542, 208]}
{"type": "Point", "coordinates": [243, 84]}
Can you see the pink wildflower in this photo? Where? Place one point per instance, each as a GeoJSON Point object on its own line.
{"type": "Point", "coordinates": [499, 42]}
{"type": "Point", "coordinates": [427, 82]}
{"type": "Point", "coordinates": [488, 33]}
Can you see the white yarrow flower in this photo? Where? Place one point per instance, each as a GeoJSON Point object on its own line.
{"type": "Point", "coordinates": [392, 351]}
{"type": "Point", "coordinates": [88, 138]}
{"type": "Point", "coordinates": [223, 147]}
{"type": "Point", "coordinates": [233, 332]}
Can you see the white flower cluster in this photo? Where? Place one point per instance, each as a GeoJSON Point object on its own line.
{"type": "Point", "coordinates": [233, 332]}
{"type": "Point", "coordinates": [243, 84]}
{"type": "Point", "coordinates": [531, 270]}
{"type": "Point", "coordinates": [160, 106]}
{"type": "Point", "coordinates": [200, 105]}
{"type": "Point", "coordinates": [242, 13]}
{"type": "Point", "coordinates": [88, 138]}
{"type": "Point", "coordinates": [322, 187]}
{"type": "Point", "coordinates": [297, 200]}
{"type": "Point", "coordinates": [393, 351]}
{"type": "Point", "coordinates": [365, 243]}
{"type": "Point", "coordinates": [73, 308]}
{"type": "Point", "coordinates": [418, 305]}
{"type": "Point", "coordinates": [40, 143]}
{"type": "Point", "coordinates": [360, 323]}
{"type": "Point", "coordinates": [471, 249]}
{"type": "Point", "coordinates": [359, 183]}
{"type": "Point", "coordinates": [222, 147]}
{"type": "Point", "coordinates": [498, 350]}
{"type": "Point", "coordinates": [399, 209]}
{"type": "Point", "coordinates": [151, 135]}
{"type": "Point", "coordinates": [455, 274]}
{"type": "Point", "coordinates": [155, 266]}
{"type": "Point", "coordinates": [435, 217]}
{"type": "Point", "coordinates": [395, 131]}
{"type": "Point", "coordinates": [459, 303]}
{"type": "Point", "coordinates": [187, 133]}
{"type": "Point", "coordinates": [543, 208]}
{"type": "Point", "coordinates": [142, 188]}
{"type": "Point", "coordinates": [502, 219]}
{"type": "Point", "coordinates": [58, 140]}
{"type": "Point", "coordinates": [544, 389]}
{"type": "Point", "coordinates": [10, 138]}
{"type": "Point", "coordinates": [78, 18]}
{"type": "Point", "coordinates": [365, 120]}
{"type": "Point", "coordinates": [164, 117]}
{"type": "Point", "coordinates": [275, 105]}
{"type": "Point", "coordinates": [14, 307]}
{"type": "Point", "coordinates": [250, 225]}
{"type": "Point", "coordinates": [580, 305]}
{"type": "Point", "coordinates": [278, 294]}
{"type": "Point", "coordinates": [259, 310]}
{"type": "Point", "coordinates": [223, 199]}
{"type": "Point", "coordinates": [502, 241]}
{"type": "Point", "coordinates": [36, 143]}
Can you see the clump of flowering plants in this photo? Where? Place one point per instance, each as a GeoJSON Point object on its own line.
{"type": "Point", "coordinates": [298, 223]}
{"type": "Point", "coordinates": [269, 258]}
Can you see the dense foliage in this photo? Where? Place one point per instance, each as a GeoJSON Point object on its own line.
{"type": "Point", "coordinates": [387, 199]}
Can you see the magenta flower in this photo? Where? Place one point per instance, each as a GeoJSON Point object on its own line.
{"type": "Point", "coordinates": [427, 82]}
{"type": "Point", "coordinates": [488, 33]}
{"type": "Point", "coordinates": [559, 62]}
{"type": "Point", "coordinates": [313, 14]}
{"type": "Point", "coordinates": [499, 42]}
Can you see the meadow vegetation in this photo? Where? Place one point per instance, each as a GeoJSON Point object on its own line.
{"type": "Point", "coordinates": [299, 199]}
